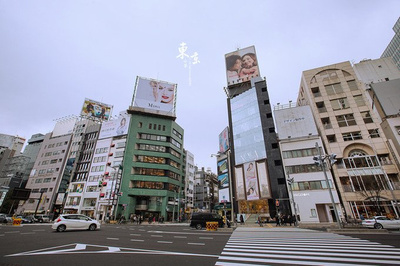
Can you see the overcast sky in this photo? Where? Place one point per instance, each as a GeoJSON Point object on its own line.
{"type": "Point", "coordinates": [54, 54]}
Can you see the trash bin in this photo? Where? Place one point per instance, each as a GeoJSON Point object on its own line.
{"type": "Point", "coordinates": [211, 226]}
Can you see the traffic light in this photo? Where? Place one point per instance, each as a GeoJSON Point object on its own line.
{"type": "Point", "coordinates": [332, 158]}
{"type": "Point", "coordinates": [317, 160]}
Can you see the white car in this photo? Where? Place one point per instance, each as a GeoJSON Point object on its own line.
{"type": "Point", "coordinates": [381, 222]}
{"type": "Point", "coordinates": [75, 222]}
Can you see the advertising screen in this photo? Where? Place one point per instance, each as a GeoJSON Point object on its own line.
{"type": "Point", "coordinates": [223, 180]}
{"type": "Point", "coordinates": [115, 127]}
{"type": "Point", "coordinates": [224, 140]}
{"type": "Point", "coordinates": [251, 181]}
{"type": "Point", "coordinates": [241, 66]}
{"type": "Point", "coordinates": [95, 109]}
{"type": "Point", "coordinates": [222, 166]}
{"type": "Point", "coordinates": [223, 195]}
{"type": "Point", "coordinates": [155, 95]}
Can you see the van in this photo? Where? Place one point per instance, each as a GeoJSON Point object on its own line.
{"type": "Point", "coordinates": [199, 219]}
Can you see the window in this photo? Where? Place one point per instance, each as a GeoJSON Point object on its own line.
{"type": "Point", "coordinates": [367, 117]}
{"type": "Point", "coordinates": [313, 213]}
{"type": "Point", "coordinates": [315, 91]}
{"type": "Point", "coordinates": [269, 115]}
{"type": "Point", "coordinates": [333, 89]}
{"type": "Point", "coordinates": [374, 133]}
{"type": "Point", "coordinates": [352, 85]}
{"type": "Point", "coordinates": [352, 136]}
{"type": "Point", "coordinates": [346, 120]}
{"type": "Point", "coordinates": [339, 104]}
{"type": "Point", "coordinates": [321, 107]}
{"type": "Point", "coordinates": [359, 100]}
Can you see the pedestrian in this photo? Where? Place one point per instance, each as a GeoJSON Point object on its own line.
{"type": "Point", "coordinates": [241, 219]}
{"type": "Point", "coordinates": [278, 220]}
{"type": "Point", "coordinates": [289, 218]}
{"type": "Point", "coordinates": [259, 221]}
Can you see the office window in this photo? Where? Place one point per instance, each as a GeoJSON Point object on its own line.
{"type": "Point", "coordinates": [359, 100]}
{"type": "Point", "coordinates": [374, 133]}
{"type": "Point", "coordinates": [346, 120]}
{"type": "Point", "coordinates": [352, 136]}
{"type": "Point", "coordinates": [352, 85]}
{"type": "Point", "coordinates": [333, 89]}
{"type": "Point", "coordinates": [367, 117]}
{"type": "Point", "coordinates": [339, 104]}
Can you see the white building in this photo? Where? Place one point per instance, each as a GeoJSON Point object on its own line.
{"type": "Point", "coordinates": [298, 136]}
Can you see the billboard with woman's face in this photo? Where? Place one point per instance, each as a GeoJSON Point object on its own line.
{"type": "Point", "coordinates": [250, 175]}
{"type": "Point", "coordinates": [155, 95]}
{"type": "Point", "coordinates": [241, 66]}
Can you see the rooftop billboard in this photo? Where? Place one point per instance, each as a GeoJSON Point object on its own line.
{"type": "Point", "coordinates": [95, 109]}
{"type": "Point", "coordinates": [155, 95]}
{"type": "Point", "coordinates": [241, 66]}
{"type": "Point", "coordinates": [224, 140]}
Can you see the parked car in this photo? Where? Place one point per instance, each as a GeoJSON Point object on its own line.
{"type": "Point", "coordinates": [199, 219]}
{"type": "Point", "coordinates": [3, 218]}
{"type": "Point", "coordinates": [40, 218]}
{"type": "Point", "coordinates": [381, 222]}
{"type": "Point", "coordinates": [26, 219]}
{"type": "Point", "coordinates": [75, 222]}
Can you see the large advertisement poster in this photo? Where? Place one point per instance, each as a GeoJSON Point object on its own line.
{"type": "Point", "coordinates": [241, 66]}
{"type": "Point", "coordinates": [155, 95]}
{"type": "Point", "coordinates": [224, 140]}
{"type": "Point", "coordinates": [115, 127]}
{"type": "Point", "coordinates": [251, 181]}
{"type": "Point", "coordinates": [240, 195]}
{"type": "Point", "coordinates": [95, 109]}
{"type": "Point", "coordinates": [263, 179]}
{"type": "Point", "coordinates": [223, 195]}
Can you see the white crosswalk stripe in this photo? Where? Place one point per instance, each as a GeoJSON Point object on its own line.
{"type": "Point", "coordinates": [294, 246]}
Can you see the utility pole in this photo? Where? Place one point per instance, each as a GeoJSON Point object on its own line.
{"type": "Point", "coordinates": [320, 160]}
{"type": "Point", "coordinates": [290, 182]}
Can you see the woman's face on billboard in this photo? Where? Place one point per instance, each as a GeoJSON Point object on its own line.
{"type": "Point", "coordinates": [166, 93]}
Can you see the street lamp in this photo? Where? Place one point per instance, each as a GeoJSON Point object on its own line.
{"type": "Point", "coordinates": [320, 160]}
{"type": "Point", "coordinates": [290, 182]}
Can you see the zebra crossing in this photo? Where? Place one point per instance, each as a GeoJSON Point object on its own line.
{"type": "Point", "coordinates": [294, 246]}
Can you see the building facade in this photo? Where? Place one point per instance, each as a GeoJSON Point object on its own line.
{"type": "Point", "coordinates": [393, 49]}
{"type": "Point", "coordinates": [364, 173]}
{"type": "Point", "coordinates": [298, 138]}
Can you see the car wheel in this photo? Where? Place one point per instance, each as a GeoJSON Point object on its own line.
{"type": "Point", "coordinates": [61, 228]}
{"type": "Point", "coordinates": [92, 227]}
{"type": "Point", "coordinates": [198, 226]}
{"type": "Point", "coordinates": [378, 226]}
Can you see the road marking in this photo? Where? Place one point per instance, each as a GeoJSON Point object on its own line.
{"type": "Point", "coordinates": [137, 240]}
{"type": "Point", "coordinates": [199, 244]}
{"type": "Point", "coordinates": [30, 233]}
{"type": "Point", "coordinates": [142, 230]}
{"type": "Point", "coordinates": [156, 236]}
{"type": "Point", "coordinates": [112, 238]}
{"type": "Point", "coordinates": [165, 242]}
{"type": "Point", "coordinates": [39, 230]}
{"type": "Point", "coordinates": [11, 232]}
{"type": "Point", "coordinates": [135, 234]}
{"type": "Point", "coordinates": [187, 233]}
{"type": "Point", "coordinates": [206, 237]}
{"type": "Point", "coordinates": [180, 236]}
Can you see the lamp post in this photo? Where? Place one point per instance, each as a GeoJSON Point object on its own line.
{"type": "Point", "coordinates": [320, 160]}
{"type": "Point", "coordinates": [290, 182]}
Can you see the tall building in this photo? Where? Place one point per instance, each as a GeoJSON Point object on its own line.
{"type": "Point", "coordinates": [364, 173]}
{"type": "Point", "coordinates": [189, 181]}
{"type": "Point", "coordinates": [393, 49]}
{"type": "Point", "coordinates": [298, 141]}
{"type": "Point", "coordinates": [258, 179]}
{"type": "Point", "coordinates": [152, 180]}
{"type": "Point", "coordinates": [205, 190]}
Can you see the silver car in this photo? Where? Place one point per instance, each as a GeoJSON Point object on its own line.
{"type": "Point", "coordinates": [381, 222]}
{"type": "Point", "coordinates": [75, 222]}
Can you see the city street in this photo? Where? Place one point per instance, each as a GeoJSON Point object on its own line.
{"type": "Point", "coordinates": [169, 244]}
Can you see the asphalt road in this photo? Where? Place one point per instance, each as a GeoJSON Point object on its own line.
{"type": "Point", "coordinates": [111, 245]}
{"type": "Point", "coordinates": [176, 245]}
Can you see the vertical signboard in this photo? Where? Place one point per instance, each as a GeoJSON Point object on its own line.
{"type": "Point", "coordinates": [223, 180]}
{"type": "Point", "coordinates": [241, 66]}
{"type": "Point", "coordinates": [224, 140]}
{"type": "Point", "coordinates": [263, 179]}
{"type": "Point", "coordinates": [240, 195]}
{"type": "Point", "coordinates": [155, 95]}
{"type": "Point", "coordinates": [251, 181]}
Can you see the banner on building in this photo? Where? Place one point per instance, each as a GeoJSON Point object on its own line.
{"type": "Point", "coordinates": [250, 175]}
{"type": "Point", "coordinates": [155, 95]}
{"type": "Point", "coordinates": [263, 179]}
{"type": "Point", "coordinates": [224, 140]}
{"type": "Point", "coordinates": [241, 66]}
{"type": "Point", "coordinates": [240, 195]}
{"type": "Point", "coordinates": [116, 127]}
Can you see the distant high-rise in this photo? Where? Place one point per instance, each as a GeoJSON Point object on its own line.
{"type": "Point", "coordinates": [393, 49]}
